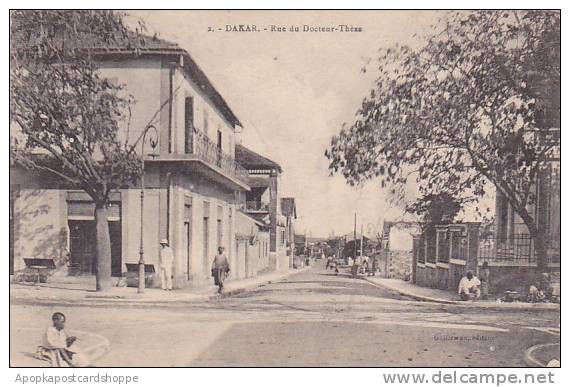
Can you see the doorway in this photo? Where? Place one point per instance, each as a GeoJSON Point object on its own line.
{"type": "Point", "coordinates": [83, 246]}
{"type": "Point", "coordinates": [188, 249]}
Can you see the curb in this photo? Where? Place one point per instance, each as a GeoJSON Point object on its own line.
{"type": "Point", "coordinates": [522, 307]}
{"type": "Point", "coordinates": [411, 295]}
{"type": "Point", "coordinates": [531, 360]}
{"type": "Point", "coordinates": [245, 289]}
{"type": "Point", "coordinates": [135, 299]}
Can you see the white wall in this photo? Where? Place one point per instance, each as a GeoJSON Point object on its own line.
{"type": "Point", "coordinates": [142, 77]}
{"type": "Point", "coordinates": [40, 225]}
{"type": "Point", "coordinates": [202, 108]}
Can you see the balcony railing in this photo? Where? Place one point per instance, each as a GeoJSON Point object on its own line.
{"type": "Point", "coordinates": [201, 146]}
{"type": "Point", "coordinates": [254, 205]}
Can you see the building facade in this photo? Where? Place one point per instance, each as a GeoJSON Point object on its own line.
{"type": "Point", "coordinates": [263, 202]}
{"type": "Point", "coordinates": [289, 211]}
{"type": "Point", "coordinates": [191, 179]}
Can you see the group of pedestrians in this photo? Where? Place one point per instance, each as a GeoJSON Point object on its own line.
{"type": "Point", "coordinates": [360, 265]}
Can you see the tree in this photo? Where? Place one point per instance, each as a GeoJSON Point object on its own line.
{"type": "Point", "coordinates": [473, 105]}
{"type": "Point", "coordinates": [435, 209]}
{"type": "Point", "coordinates": [64, 115]}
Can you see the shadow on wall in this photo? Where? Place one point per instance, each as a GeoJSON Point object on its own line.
{"type": "Point", "coordinates": [33, 223]}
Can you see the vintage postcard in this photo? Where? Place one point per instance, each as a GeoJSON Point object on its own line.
{"type": "Point", "coordinates": [285, 188]}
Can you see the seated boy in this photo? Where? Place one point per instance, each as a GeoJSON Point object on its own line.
{"type": "Point", "coordinates": [58, 348]}
{"type": "Point", "coordinates": [469, 287]}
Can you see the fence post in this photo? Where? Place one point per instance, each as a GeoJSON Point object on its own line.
{"type": "Point", "coordinates": [472, 246]}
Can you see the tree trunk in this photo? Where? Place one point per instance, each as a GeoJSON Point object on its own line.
{"type": "Point", "coordinates": [541, 252]}
{"type": "Point", "coordinates": [103, 248]}
{"type": "Point", "coordinates": [539, 238]}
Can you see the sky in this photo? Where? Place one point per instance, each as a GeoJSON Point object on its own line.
{"type": "Point", "coordinates": [293, 91]}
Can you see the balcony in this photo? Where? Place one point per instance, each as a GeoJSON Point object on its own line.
{"type": "Point", "coordinates": [256, 206]}
{"type": "Point", "coordinates": [202, 156]}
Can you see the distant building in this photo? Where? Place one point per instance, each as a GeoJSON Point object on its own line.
{"type": "Point", "coordinates": [512, 244]}
{"type": "Point", "coordinates": [263, 202]}
{"type": "Point", "coordinates": [289, 210]}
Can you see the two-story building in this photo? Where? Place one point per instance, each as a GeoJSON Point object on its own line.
{"type": "Point", "coordinates": [191, 182]}
{"type": "Point", "coordinates": [289, 211]}
{"type": "Point", "coordinates": [263, 202]}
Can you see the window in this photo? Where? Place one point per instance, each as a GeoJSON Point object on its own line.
{"type": "Point", "coordinates": [206, 236]}
{"type": "Point", "coordinates": [442, 246]}
{"type": "Point", "coordinates": [219, 147]}
{"type": "Point", "coordinates": [205, 128]}
{"type": "Point", "coordinates": [188, 124]}
{"type": "Point", "coordinates": [503, 217]}
{"type": "Point", "coordinates": [421, 250]}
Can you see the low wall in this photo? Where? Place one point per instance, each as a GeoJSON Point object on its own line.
{"type": "Point", "coordinates": [446, 278]}
{"type": "Point", "coordinates": [514, 278]}
{"type": "Point", "coordinates": [502, 278]}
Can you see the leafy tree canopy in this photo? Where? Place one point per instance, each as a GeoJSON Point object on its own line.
{"type": "Point", "coordinates": [474, 104]}
{"type": "Point", "coordinates": [67, 114]}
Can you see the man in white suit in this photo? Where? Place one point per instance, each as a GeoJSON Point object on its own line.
{"type": "Point", "coordinates": [166, 263]}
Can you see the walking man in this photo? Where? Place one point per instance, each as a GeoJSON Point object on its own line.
{"type": "Point", "coordinates": [220, 269]}
{"type": "Point", "coordinates": [166, 262]}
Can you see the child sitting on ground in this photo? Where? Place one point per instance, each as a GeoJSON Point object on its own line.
{"type": "Point", "coordinates": [60, 349]}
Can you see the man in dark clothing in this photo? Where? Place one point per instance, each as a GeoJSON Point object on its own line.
{"type": "Point", "coordinates": [220, 268]}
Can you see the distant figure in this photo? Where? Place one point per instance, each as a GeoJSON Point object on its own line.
{"type": "Point", "coordinates": [545, 286]}
{"type": "Point", "coordinates": [354, 269]}
{"type": "Point", "coordinates": [469, 287]}
{"type": "Point", "coordinates": [58, 348]}
{"type": "Point", "coordinates": [329, 261]}
{"type": "Point", "coordinates": [220, 269]}
{"type": "Point", "coordinates": [485, 278]}
{"type": "Point", "coordinates": [368, 267]}
{"type": "Point", "coordinates": [535, 295]}
{"type": "Point", "coordinates": [166, 263]}
{"type": "Point", "coordinates": [334, 265]}
{"type": "Point", "coordinates": [374, 266]}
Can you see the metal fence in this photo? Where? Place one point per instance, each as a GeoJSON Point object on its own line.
{"type": "Point", "coordinates": [517, 250]}
{"type": "Point", "coordinates": [209, 152]}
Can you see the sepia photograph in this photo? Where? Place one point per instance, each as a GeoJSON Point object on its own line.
{"type": "Point", "coordinates": [284, 188]}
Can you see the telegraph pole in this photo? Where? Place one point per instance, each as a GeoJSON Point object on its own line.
{"type": "Point", "coordinates": [354, 256]}
{"type": "Point", "coordinates": [361, 241]}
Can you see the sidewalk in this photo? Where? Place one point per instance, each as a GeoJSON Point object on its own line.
{"type": "Point", "coordinates": [420, 293]}
{"type": "Point", "coordinates": [81, 289]}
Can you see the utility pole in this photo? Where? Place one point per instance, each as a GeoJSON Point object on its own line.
{"type": "Point", "coordinates": [354, 256]}
{"type": "Point", "coordinates": [361, 241]}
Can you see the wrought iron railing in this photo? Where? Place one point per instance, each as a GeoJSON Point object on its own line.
{"type": "Point", "coordinates": [517, 249]}
{"type": "Point", "coordinates": [209, 152]}
{"type": "Point", "coordinates": [254, 205]}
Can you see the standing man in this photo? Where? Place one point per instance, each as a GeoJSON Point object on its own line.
{"type": "Point", "coordinates": [220, 268]}
{"type": "Point", "coordinates": [166, 263]}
